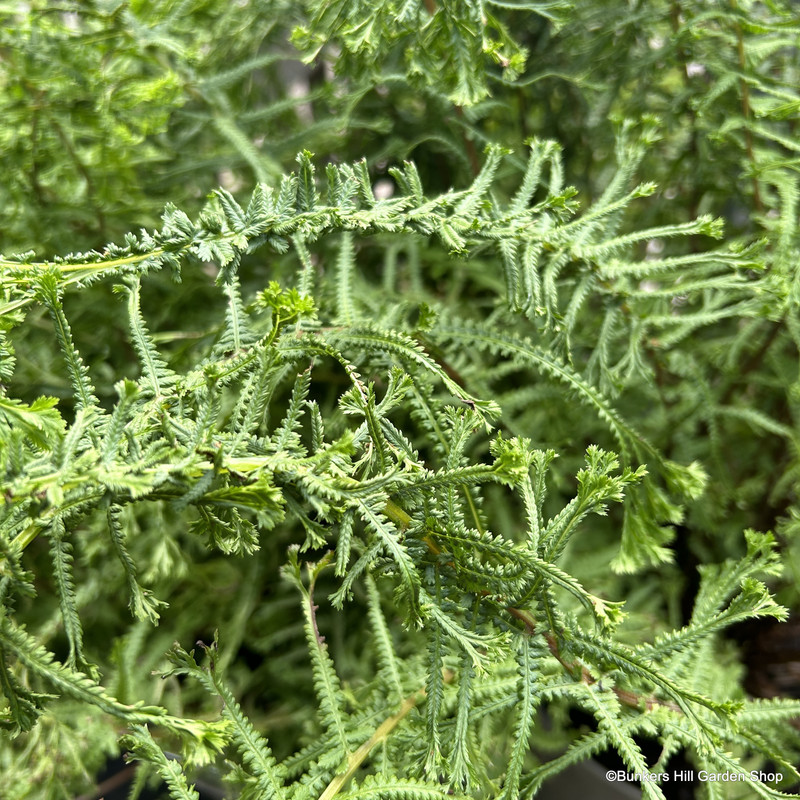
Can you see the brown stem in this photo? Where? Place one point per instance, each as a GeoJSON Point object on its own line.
{"type": "Point", "coordinates": [437, 355]}
{"type": "Point", "coordinates": [312, 613]}
{"type": "Point", "coordinates": [625, 697]}
{"type": "Point", "coordinates": [745, 90]}
{"type": "Point", "coordinates": [469, 145]}
{"type": "Point", "coordinates": [109, 784]}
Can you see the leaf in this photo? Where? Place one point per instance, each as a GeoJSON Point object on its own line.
{"type": "Point", "coordinates": [40, 421]}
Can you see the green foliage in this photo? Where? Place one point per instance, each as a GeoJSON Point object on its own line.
{"type": "Point", "coordinates": [409, 451]}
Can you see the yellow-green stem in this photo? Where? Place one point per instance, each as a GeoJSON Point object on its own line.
{"type": "Point", "coordinates": [381, 733]}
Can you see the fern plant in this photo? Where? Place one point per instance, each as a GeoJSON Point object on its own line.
{"type": "Point", "coordinates": [379, 469]}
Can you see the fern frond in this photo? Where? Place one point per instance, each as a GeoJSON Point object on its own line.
{"type": "Point", "coordinates": [266, 776]}
{"type": "Point", "coordinates": [326, 681]}
{"type": "Point", "coordinates": [528, 699]}
{"type": "Point", "coordinates": [387, 658]}
{"type": "Point", "coordinates": [287, 436]}
{"type": "Point", "coordinates": [434, 690]}
{"type": "Point", "coordinates": [389, 536]}
{"type": "Point", "coordinates": [142, 746]}
{"type": "Point", "coordinates": [462, 771]}
{"type": "Point", "coordinates": [159, 376]}
{"type": "Point", "coordinates": [495, 342]}
{"type": "Point", "coordinates": [40, 421]}
{"type": "Point", "coordinates": [142, 604]}
{"type": "Point", "coordinates": [345, 267]}
{"type": "Point", "coordinates": [630, 662]}
{"type": "Point", "coordinates": [606, 710]}
{"type": "Point", "coordinates": [394, 343]}
{"type": "Point", "coordinates": [584, 748]}
{"type": "Point", "coordinates": [61, 553]}
{"type": "Point", "coordinates": [71, 682]}
{"type": "Point", "coordinates": [48, 292]}
{"type": "Point", "coordinates": [236, 334]}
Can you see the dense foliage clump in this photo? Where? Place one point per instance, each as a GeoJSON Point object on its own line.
{"type": "Point", "coordinates": [428, 462]}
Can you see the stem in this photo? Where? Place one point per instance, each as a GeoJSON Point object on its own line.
{"type": "Point", "coordinates": [745, 90]}
{"type": "Point", "coordinates": [125, 775]}
{"type": "Point", "coordinates": [469, 144]}
{"type": "Point", "coordinates": [397, 514]}
{"type": "Point", "coordinates": [84, 271]}
{"type": "Point", "coordinates": [381, 733]}
{"type": "Point", "coordinates": [114, 262]}
{"type": "Point", "coordinates": [628, 698]}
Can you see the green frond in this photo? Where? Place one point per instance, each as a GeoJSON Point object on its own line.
{"type": "Point", "coordinates": [596, 485]}
{"type": "Point", "coordinates": [236, 334]}
{"type": "Point", "coordinates": [542, 152]}
{"type": "Point", "coordinates": [266, 777]}
{"type": "Point", "coordinates": [607, 713]}
{"type": "Point", "coordinates": [251, 409]}
{"type": "Point", "coordinates": [719, 581]}
{"type": "Point", "coordinates": [306, 187]}
{"type": "Point", "coordinates": [114, 432]}
{"type": "Point", "coordinates": [390, 539]}
{"type": "Point", "coordinates": [344, 542]}
{"type": "Point", "coordinates": [345, 291]}
{"type": "Point", "coordinates": [528, 700]}
{"type": "Point", "coordinates": [39, 421]}
{"type": "Point", "coordinates": [461, 758]}
{"type": "Point", "coordinates": [144, 748]}
{"type": "Point", "coordinates": [326, 681]}
{"type": "Point", "coordinates": [387, 658]}
{"type": "Point", "coordinates": [48, 292]}
{"type": "Point", "coordinates": [287, 436]}
{"type": "Point", "coordinates": [71, 682]}
{"type": "Point", "coordinates": [399, 345]}
{"type": "Point", "coordinates": [141, 603]}
{"type": "Point", "coordinates": [753, 601]}
{"type": "Point", "coordinates": [500, 344]}
{"type": "Point", "coordinates": [478, 646]}
{"type": "Point", "coordinates": [61, 553]}
{"type": "Point", "coordinates": [24, 706]}
{"type": "Point", "coordinates": [365, 560]}
{"type": "Point", "coordinates": [631, 663]}
{"type": "Point", "coordinates": [434, 691]}
{"type": "Point", "coordinates": [585, 747]}
{"type": "Point", "coordinates": [480, 186]}
{"type": "Point", "coordinates": [158, 375]}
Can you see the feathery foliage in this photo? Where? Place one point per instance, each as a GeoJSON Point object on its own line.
{"type": "Point", "coordinates": [420, 455]}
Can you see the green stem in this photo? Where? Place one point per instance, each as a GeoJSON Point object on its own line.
{"type": "Point", "coordinates": [381, 733]}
